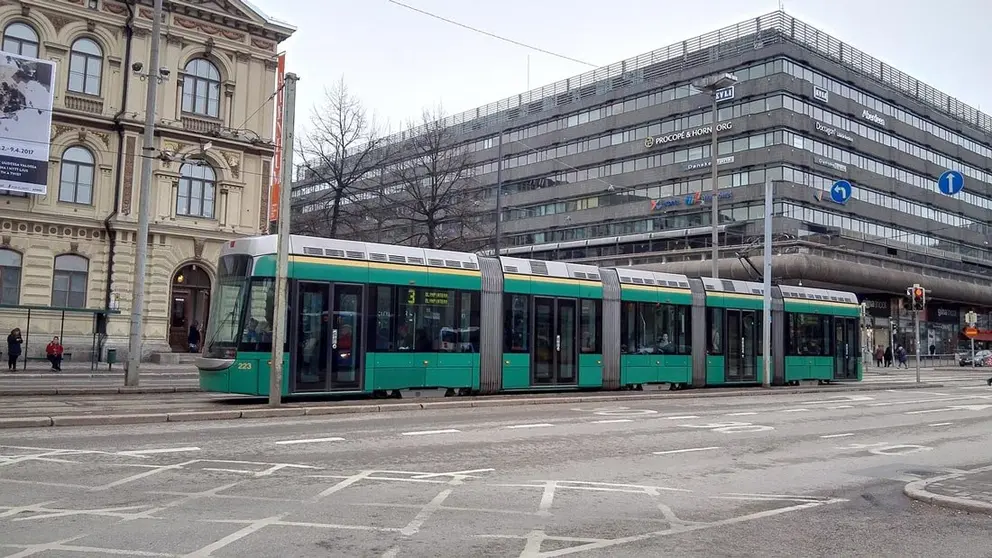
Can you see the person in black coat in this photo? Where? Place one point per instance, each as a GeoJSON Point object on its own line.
{"type": "Point", "coordinates": [13, 348]}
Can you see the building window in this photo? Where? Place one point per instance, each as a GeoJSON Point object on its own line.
{"type": "Point", "coordinates": [20, 38]}
{"type": "Point", "coordinates": [76, 184]}
{"type": "Point", "coordinates": [10, 277]}
{"type": "Point", "coordinates": [69, 281]}
{"type": "Point", "coordinates": [201, 88]}
{"type": "Point", "coordinates": [196, 190]}
{"type": "Point", "coordinates": [85, 67]}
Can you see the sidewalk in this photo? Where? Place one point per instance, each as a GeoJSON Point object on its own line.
{"type": "Point", "coordinates": [78, 378]}
{"type": "Point", "coordinates": [111, 409]}
{"type": "Point", "coordinates": [970, 491]}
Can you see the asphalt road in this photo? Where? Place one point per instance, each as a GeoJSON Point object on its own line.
{"type": "Point", "coordinates": [777, 475]}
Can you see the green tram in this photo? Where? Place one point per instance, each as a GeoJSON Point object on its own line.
{"type": "Point", "coordinates": [373, 318]}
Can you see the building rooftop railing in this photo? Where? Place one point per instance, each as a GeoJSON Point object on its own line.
{"type": "Point", "coordinates": [734, 40]}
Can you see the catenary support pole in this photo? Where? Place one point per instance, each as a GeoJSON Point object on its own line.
{"type": "Point", "coordinates": [133, 369]}
{"type": "Point", "coordinates": [715, 219]}
{"type": "Point", "coordinates": [916, 327]}
{"type": "Point", "coordinates": [499, 194]}
{"type": "Point", "coordinates": [766, 274]}
{"type": "Point", "coordinates": [279, 328]}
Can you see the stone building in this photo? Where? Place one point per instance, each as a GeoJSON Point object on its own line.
{"type": "Point", "coordinates": [74, 246]}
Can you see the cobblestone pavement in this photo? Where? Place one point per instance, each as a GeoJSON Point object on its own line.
{"type": "Point", "coordinates": [968, 491]}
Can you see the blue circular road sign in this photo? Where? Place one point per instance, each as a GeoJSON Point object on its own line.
{"type": "Point", "coordinates": [840, 192]}
{"type": "Point", "coordinates": [951, 182]}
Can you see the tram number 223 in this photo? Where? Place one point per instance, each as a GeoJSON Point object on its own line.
{"type": "Point", "coordinates": [244, 366]}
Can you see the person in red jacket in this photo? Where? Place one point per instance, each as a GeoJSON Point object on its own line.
{"type": "Point", "coordinates": [54, 352]}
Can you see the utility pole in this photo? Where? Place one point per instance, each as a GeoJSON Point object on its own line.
{"type": "Point", "coordinates": [133, 367]}
{"type": "Point", "coordinates": [279, 328]}
{"type": "Point", "coordinates": [972, 319]}
{"type": "Point", "coordinates": [766, 325]}
{"type": "Point", "coordinates": [715, 216]}
{"type": "Point", "coordinates": [499, 191]}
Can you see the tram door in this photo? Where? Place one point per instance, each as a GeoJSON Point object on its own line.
{"type": "Point", "coordinates": [846, 338]}
{"type": "Point", "coordinates": [346, 337]}
{"type": "Point", "coordinates": [743, 336]}
{"type": "Point", "coordinates": [556, 355]}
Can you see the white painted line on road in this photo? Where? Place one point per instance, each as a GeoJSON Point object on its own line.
{"type": "Point", "coordinates": [841, 407]}
{"type": "Point", "coordinates": [687, 450]}
{"type": "Point", "coordinates": [925, 411]}
{"type": "Point", "coordinates": [682, 417]}
{"type": "Point", "coordinates": [309, 441]}
{"type": "Point", "coordinates": [141, 453]}
{"type": "Point", "coordinates": [941, 424]}
{"type": "Point", "coordinates": [538, 425]}
{"type": "Point", "coordinates": [974, 387]}
{"type": "Point", "coordinates": [846, 434]}
{"type": "Point", "coordinates": [611, 421]}
{"type": "Point", "coordinates": [427, 432]}
{"type": "Point", "coordinates": [747, 414]}
{"type": "Point", "coordinates": [795, 410]}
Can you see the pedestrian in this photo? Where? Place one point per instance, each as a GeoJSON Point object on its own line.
{"type": "Point", "coordinates": [13, 348]}
{"type": "Point", "coordinates": [194, 337]}
{"type": "Point", "coordinates": [888, 356]}
{"type": "Point", "coordinates": [879, 356]}
{"type": "Point", "coordinates": [54, 352]}
{"type": "Point", "coordinates": [901, 357]}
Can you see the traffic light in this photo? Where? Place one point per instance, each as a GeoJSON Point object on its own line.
{"type": "Point", "coordinates": [918, 297]}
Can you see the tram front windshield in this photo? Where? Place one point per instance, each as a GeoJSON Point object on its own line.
{"type": "Point", "coordinates": [223, 331]}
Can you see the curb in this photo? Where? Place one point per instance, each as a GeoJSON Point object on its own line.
{"type": "Point", "coordinates": [917, 490]}
{"type": "Point", "coordinates": [84, 390]}
{"type": "Point", "coordinates": [467, 403]}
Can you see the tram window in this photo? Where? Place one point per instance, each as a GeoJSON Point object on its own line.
{"type": "Point", "coordinates": [516, 323]}
{"type": "Point", "coordinates": [589, 334]}
{"type": "Point", "coordinates": [469, 318]}
{"type": "Point", "coordinates": [257, 333]}
{"type": "Point", "coordinates": [383, 319]}
{"type": "Point", "coordinates": [808, 335]}
{"type": "Point", "coordinates": [714, 323]}
{"type": "Point", "coordinates": [628, 327]}
{"type": "Point", "coordinates": [421, 317]}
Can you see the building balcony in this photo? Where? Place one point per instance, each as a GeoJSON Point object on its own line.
{"type": "Point", "coordinates": [199, 125]}
{"type": "Point", "coordinates": [82, 103]}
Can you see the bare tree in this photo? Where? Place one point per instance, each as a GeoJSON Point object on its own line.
{"type": "Point", "coordinates": [436, 201]}
{"type": "Point", "coordinates": [343, 149]}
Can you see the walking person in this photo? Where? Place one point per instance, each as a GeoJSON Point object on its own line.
{"type": "Point", "coordinates": [13, 348]}
{"type": "Point", "coordinates": [879, 356]}
{"type": "Point", "coordinates": [194, 337]}
{"type": "Point", "coordinates": [901, 356]}
{"type": "Point", "coordinates": [888, 356]}
{"type": "Point", "coordinates": [54, 352]}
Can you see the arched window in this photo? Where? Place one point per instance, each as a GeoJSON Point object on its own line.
{"type": "Point", "coordinates": [85, 67]}
{"type": "Point", "coordinates": [69, 281]}
{"type": "Point", "coordinates": [76, 183]}
{"type": "Point", "coordinates": [201, 88]}
{"type": "Point", "coordinates": [20, 38]}
{"type": "Point", "coordinates": [197, 183]}
{"type": "Point", "coordinates": [10, 277]}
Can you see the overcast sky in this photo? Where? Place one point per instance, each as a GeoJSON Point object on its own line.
{"type": "Point", "coordinates": [399, 61]}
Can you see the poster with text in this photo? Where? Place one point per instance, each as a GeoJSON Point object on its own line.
{"type": "Point", "coordinates": [26, 96]}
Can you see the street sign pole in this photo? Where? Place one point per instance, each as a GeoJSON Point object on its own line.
{"type": "Point", "coordinates": [916, 326]}
{"type": "Point", "coordinates": [279, 329]}
{"type": "Point", "coordinates": [972, 319]}
{"type": "Point", "coordinates": [766, 325]}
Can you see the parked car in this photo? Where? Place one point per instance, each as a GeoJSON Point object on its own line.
{"type": "Point", "coordinates": [982, 358]}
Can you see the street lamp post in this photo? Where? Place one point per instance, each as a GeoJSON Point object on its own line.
{"type": "Point", "coordinates": [713, 85]}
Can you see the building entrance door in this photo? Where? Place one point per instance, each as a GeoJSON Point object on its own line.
{"type": "Point", "coordinates": [189, 306]}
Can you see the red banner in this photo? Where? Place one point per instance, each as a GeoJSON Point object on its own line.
{"type": "Point", "coordinates": [277, 162]}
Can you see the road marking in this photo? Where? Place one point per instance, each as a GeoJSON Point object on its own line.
{"type": "Point", "coordinates": [309, 441]}
{"type": "Point", "coordinates": [137, 453]}
{"type": "Point", "coordinates": [611, 421]}
{"type": "Point", "coordinates": [538, 425]}
{"type": "Point", "coordinates": [846, 434]}
{"type": "Point", "coordinates": [747, 414]}
{"type": "Point", "coordinates": [795, 411]}
{"type": "Point", "coordinates": [682, 417]}
{"type": "Point", "coordinates": [428, 432]}
{"type": "Point", "coordinates": [941, 424]}
{"type": "Point", "coordinates": [687, 450]}
{"type": "Point", "coordinates": [841, 407]}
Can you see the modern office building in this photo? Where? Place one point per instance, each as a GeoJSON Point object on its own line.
{"type": "Point", "coordinates": [613, 167]}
